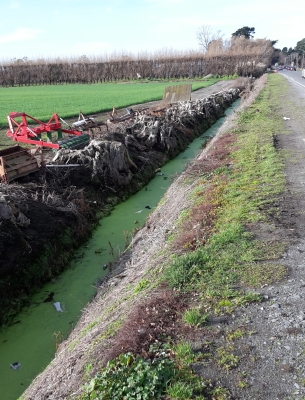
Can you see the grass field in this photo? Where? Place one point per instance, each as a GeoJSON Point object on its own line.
{"type": "Point", "coordinates": [42, 102]}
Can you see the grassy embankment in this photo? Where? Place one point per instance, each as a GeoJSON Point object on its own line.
{"type": "Point", "coordinates": [42, 102]}
{"type": "Point", "coordinates": [207, 273]}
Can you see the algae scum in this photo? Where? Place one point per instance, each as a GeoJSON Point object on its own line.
{"type": "Point", "coordinates": [29, 345]}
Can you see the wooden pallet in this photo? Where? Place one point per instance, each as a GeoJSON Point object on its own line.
{"type": "Point", "coordinates": [15, 162]}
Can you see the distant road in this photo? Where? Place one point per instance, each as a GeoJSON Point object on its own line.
{"type": "Point", "coordinates": [296, 78]}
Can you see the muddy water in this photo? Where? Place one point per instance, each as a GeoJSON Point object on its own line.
{"type": "Point", "coordinates": [31, 341]}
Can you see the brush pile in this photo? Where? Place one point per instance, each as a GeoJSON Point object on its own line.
{"type": "Point", "coordinates": [154, 135]}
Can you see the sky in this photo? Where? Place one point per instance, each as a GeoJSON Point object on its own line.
{"type": "Point", "coordinates": [72, 28]}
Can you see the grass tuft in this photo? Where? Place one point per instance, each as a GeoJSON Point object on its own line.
{"type": "Point", "coordinates": [194, 317]}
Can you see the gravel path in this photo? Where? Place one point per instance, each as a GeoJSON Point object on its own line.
{"type": "Point", "coordinates": [274, 348]}
{"type": "Point", "coordinates": [281, 318]}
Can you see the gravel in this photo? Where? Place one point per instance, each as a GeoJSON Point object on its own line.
{"type": "Point", "coordinates": [273, 354]}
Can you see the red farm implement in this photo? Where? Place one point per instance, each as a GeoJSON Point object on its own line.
{"type": "Point", "coordinates": [26, 129]}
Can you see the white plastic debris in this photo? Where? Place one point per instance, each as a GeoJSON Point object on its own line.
{"type": "Point", "coordinates": [286, 118]}
{"type": "Point", "coordinates": [57, 306]}
{"type": "Point", "coordinates": [15, 365]}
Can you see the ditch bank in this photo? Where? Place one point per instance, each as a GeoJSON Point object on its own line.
{"type": "Point", "coordinates": [69, 202]}
{"type": "Point", "coordinates": [131, 309]}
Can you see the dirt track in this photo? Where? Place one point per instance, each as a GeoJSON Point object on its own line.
{"type": "Point", "coordinates": [274, 352]}
{"type": "Point", "coordinates": [279, 320]}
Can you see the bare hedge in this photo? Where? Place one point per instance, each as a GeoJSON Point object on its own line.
{"type": "Point", "coordinates": [243, 57]}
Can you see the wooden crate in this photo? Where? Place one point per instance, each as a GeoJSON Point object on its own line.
{"type": "Point", "coordinates": [15, 162]}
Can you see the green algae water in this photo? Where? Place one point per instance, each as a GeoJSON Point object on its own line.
{"type": "Point", "coordinates": [28, 346]}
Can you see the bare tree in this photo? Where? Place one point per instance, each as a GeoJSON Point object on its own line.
{"type": "Point", "coordinates": [206, 36]}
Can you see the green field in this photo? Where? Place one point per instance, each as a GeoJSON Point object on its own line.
{"type": "Point", "coordinates": [42, 102]}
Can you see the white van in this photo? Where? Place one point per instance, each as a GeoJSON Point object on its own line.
{"type": "Point", "coordinates": [303, 72]}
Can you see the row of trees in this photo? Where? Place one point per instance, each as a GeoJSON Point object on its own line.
{"type": "Point", "coordinates": [206, 37]}
{"type": "Point", "coordinates": [239, 56]}
{"type": "Point", "coordinates": [296, 55]}
{"type": "Point", "coordinates": [299, 48]}
{"type": "Point", "coordinates": [249, 57]}
{"type": "Point", "coordinates": [291, 55]}
{"type": "Point", "coordinates": [85, 70]}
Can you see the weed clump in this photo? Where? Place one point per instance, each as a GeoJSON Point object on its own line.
{"type": "Point", "coordinates": [151, 321]}
{"type": "Point", "coordinates": [130, 377]}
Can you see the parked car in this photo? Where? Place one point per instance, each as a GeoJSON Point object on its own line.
{"type": "Point", "coordinates": [303, 72]}
{"type": "Point", "coordinates": [289, 67]}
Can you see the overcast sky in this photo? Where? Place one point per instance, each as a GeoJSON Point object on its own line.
{"type": "Point", "coordinates": [71, 28]}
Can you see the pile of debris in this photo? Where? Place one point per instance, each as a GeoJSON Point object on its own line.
{"type": "Point", "coordinates": [147, 139]}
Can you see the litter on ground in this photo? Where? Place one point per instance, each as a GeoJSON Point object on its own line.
{"type": "Point", "coordinates": [57, 306]}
